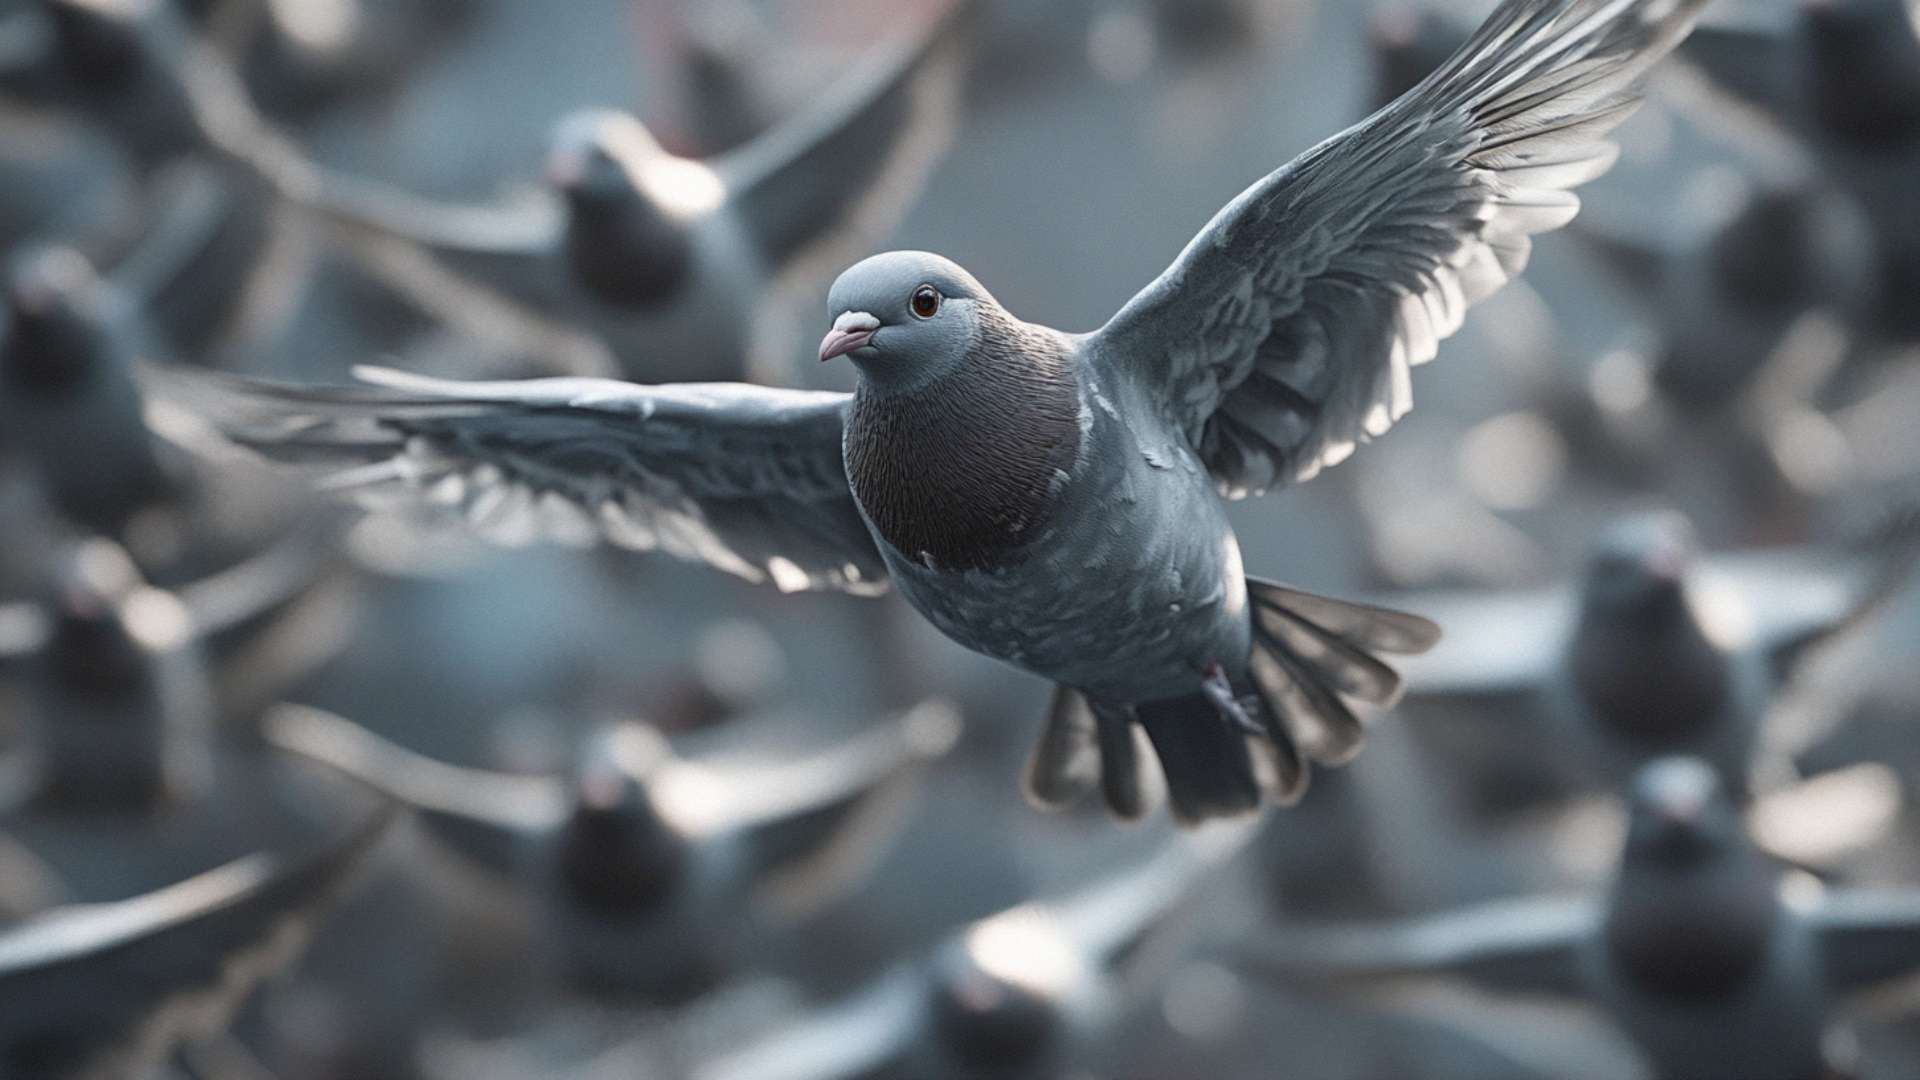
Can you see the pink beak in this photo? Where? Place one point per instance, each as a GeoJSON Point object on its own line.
{"type": "Point", "coordinates": [850, 331]}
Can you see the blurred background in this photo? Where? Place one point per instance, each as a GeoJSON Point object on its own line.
{"type": "Point", "coordinates": [202, 660]}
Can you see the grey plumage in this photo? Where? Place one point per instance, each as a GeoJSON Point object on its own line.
{"type": "Point", "coordinates": [1058, 496]}
{"type": "Point", "coordinates": [652, 872]}
{"type": "Point", "coordinates": [679, 265]}
{"type": "Point", "coordinates": [109, 989]}
{"type": "Point", "coordinates": [1657, 651]}
{"type": "Point", "coordinates": [1845, 80]}
{"type": "Point", "coordinates": [1713, 966]}
{"type": "Point", "coordinates": [1019, 994]}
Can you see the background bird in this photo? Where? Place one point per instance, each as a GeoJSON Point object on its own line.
{"type": "Point", "coordinates": [1000, 465]}
{"type": "Point", "coordinates": [1704, 958]}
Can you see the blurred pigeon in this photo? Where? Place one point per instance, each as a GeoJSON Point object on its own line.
{"type": "Point", "coordinates": [120, 696]}
{"type": "Point", "coordinates": [1713, 966]}
{"type": "Point", "coordinates": [109, 989]}
{"type": "Point", "coordinates": [1022, 993]}
{"type": "Point", "coordinates": [1726, 303]}
{"type": "Point", "coordinates": [1657, 651]}
{"type": "Point", "coordinates": [654, 252]}
{"type": "Point", "coordinates": [1007, 474]}
{"type": "Point", "coordinates": [652, 872]}
{"type": "Point", "coordinates": [67, 395]}
{"type": "Point", "coordinates": [1845, 79]}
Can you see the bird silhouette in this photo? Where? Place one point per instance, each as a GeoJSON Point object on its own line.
{"type": "Point", "coordinates": [110, 989]}
{"type": "Point", "coordinates": [651, 873]}
{"type": "Point", "coordinates": [1022, 993]}
{"type": "Point", "coordinates": [1710, 963]}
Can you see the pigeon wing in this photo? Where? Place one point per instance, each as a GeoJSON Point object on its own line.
{"type": "Point", "coordinates": [108, 989]}
{"type": "Point", "coordinates": [1283, 335]}
{"type": "Point", "coordinates": [487, 817]}
{"type": "Point", "coordinates": [1868, 936]}
{"type": "Point", "coordinates": [746, 479]}
{"type": "Point", "coordinates": [1532, 945]}
{"type": "Point", "coordinates": [821, 188]}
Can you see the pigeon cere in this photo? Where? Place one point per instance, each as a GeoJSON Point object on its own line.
{"type": "Point", "coordinates": [959, 539]}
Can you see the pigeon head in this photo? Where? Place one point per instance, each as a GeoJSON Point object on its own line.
{"type": "Point", "coordinates": [597, 157]}
{"type": "Point", "coordinates": [52, 334]}
{"type": "Point", "coordinates": [618, 853]}
{"type": "Point", "coordinates": [1641, 564]}
{"type": "Point", "coordinates": [996, 993]}
{"type": "Point", "coordinates": [628, 202]}
{"type": "Point", "coordinates": [905, 317]}
{"type": "Point", "coordinates": [1681, 814]}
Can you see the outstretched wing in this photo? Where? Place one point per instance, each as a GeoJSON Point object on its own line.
{"type": "Point", "coordinates": [746, 479]}
{"type": "Point", "coordinates": [487, 817]}
{"type": "Point", "coordinates": [1532, 945]}
{"type": "Point", "coordinates": [1868, 936]}
{"type": "Point", "coordinates": [107, 989]}
{"type": "Point", "coordinates": [822, 187]}
{"type": "Point", "coordinates": [1283, 335]}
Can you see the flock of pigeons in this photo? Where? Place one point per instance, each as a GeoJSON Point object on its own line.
{"type": "Point", "coordinates": [297, 790]}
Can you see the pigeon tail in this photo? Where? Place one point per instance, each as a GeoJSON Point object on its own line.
{"type": "Point", "coordinates": [1220, 753]}
{"type": "Point", "coordinates": [1314, 657]}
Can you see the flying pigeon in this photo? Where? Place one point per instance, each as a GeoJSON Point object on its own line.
{"type": "Point", "coordinates": [655, 253]}
{"type": "Point", "coordinates": [123, 682]}
{"type": "Point", "coordinates": [651, 871]}
{"type": "Point", "coordinates": [1714, 966]}
{"type": "Point", "coordinates": [1657, 651]}
{"type": "Point", "coordinates": [110, 989]}
{"type": "Point", "coordinates": [1054, 500]}
{"type": "Point", "coordinates": [1022, 993]}
{"type": "Point", "coordinates": [1845, 81]}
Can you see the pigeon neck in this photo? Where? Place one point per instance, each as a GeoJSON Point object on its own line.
{"type": "Point", "coordinates": [959, 472]}
{"type": "Point", "coordinates": [1651, 671]}
{"type": "Point", "coordinates": [626, 251]}
{"type": "Point", "coordinates": [621, 862]}
{"type": "Point", "coordinates": [1694, 931]}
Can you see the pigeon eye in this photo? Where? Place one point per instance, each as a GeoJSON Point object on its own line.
{"type": "Point", "coordinates": [925, 302]}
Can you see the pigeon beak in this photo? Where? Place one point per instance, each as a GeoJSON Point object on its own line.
{"type": "Point", "coordinates": [851, 330]}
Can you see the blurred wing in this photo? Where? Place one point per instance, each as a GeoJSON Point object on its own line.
{"type": "Point", "coordinates": [746, 479]}
{"type": "Point", "coordinates": [1519, 946]}
{"type": "Point", "coordinates": [820, 821]}
{"type": "Point", "coordinates": [1757, 66]}
{"type": "Point", "coordinates": [1110, 918]}
{"type": "Point", "coordinates": [823, 188]}
{"type": "Point", "coordinates": [852, 1038]}
{"type": "Point", "coordinates": [1495, 644]}
{"type": "Point", "coordinates": [253, 590]}
{"type": "Point", "coordinates": [1283, 335]}
{"type": "Point", "coordinates": [107, 989]}
{"type": "Point", "coordinates": [1787, 602]}
{"type": "Point", "coordinates": [487, 817]}
{"type": "Point", "coordinates": [1868, 936]}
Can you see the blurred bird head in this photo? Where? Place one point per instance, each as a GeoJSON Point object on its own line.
{"type": "Point", "coordinates": [996, 991]}
{"type": "Point", "coordinates": [53, 333]}
{"type": "Point", "coordinates": [1640, 565]}
{"type": "Point", "coordinates": [1680, 814]}
{"type": "Point", "coordinates": [905, 317]}
{"type": "Point", "coordinates": [618, 854]}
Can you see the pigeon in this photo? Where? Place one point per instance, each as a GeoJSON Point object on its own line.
{"type": "Point", "coordinates": [121, 684]}
{"type": "Point", "coordinates": [1845, 81]}
{"type": "Point", "coordinates": [653, 252]}
{"type": "Point", "coordinates": [1006, 475]}
{"type": "Point", "coordinates": [1714, 966]}
{"type": "Point", "coordinates": [1657, 651]}
{"type": "Point", "coordinates": [67, 395]}
{"type": "Point", "coordinates": [109, 989]}
{"type": "Point", "coordinates": [1725, 304]}
{"type": "Point", "coordinates": [651, 872]}
{"type": "Point", "coordinates": [1026, 992]}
